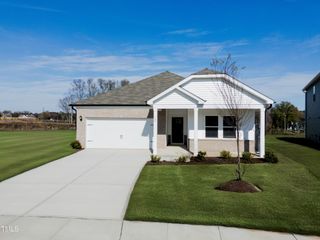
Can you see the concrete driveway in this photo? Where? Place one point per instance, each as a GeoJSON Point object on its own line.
{"type": "Point", "coordinates": [85, 192]}
{"type": "Point", "coordinates": [84, 197]}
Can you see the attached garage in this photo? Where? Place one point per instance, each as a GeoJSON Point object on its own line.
{"type": "Point", "coordinates": [119, 133]}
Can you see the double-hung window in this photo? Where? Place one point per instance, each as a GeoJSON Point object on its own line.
{"type": "Point", "coordinates": [211, 126]}
{"type": "Point", "coordinates": [229, 127]}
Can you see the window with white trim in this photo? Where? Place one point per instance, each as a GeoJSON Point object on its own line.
{"type": "Point", "coordinates": [229, 127]}
{"type": "Point", "coordinates": [211, 126]}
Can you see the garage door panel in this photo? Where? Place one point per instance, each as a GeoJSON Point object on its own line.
{"type": "Point", "coordinates": [119, 133]}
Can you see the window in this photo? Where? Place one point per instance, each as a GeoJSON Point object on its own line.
{"type": "Point", "coordinates": [314, 93]}
{"type": "Point", "coordinates": [229, 127]}
{"type": "Point", "coordinates": [211, 126]}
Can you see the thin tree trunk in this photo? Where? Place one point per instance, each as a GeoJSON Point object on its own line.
{"type": "Point", "coordinates": [238, 157]}
{"type": "Point", "coordinates": [238, 150]}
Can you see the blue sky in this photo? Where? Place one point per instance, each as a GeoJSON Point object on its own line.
{"type": "Point", "coordinates": [46, 44]}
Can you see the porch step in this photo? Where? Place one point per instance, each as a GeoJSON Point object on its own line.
{"type": "Point", "coordinates": [171, 153]}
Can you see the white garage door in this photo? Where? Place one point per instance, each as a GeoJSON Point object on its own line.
{"type": "Point", "coordinates": [119, 133]}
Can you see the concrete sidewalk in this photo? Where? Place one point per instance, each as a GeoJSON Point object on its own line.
{"type": "Point", "coordinates": [169, 231]}
{"type": "Point", "coordinates": [45, 228]}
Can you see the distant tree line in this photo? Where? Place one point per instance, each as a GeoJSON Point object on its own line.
{"type": "Point", "coordinates": [44, 116]}
{"type": "Point", "coordinates": [284, 116]}
{"type": "Point", "coordinates": [82, 89]}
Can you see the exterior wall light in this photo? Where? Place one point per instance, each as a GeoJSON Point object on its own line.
{"type": "Point", "coordinates": [80, 118]}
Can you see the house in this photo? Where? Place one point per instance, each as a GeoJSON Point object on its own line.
{"type": "Point", "coordinates": [26, 117]}
{"type": "Point", "coordinates": [312, 109]}
{"type": "Point", "coordinates": [188, 112]}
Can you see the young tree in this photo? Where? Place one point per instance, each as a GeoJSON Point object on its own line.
{"type": "Point", "coordinates": [232, 95]}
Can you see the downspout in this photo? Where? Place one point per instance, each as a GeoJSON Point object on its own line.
{"type": "Point", "coordinates": [270, 106]}
{"type": "Point", "coordinates": [265, 118]}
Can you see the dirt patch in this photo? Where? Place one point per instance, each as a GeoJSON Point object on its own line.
{"type": "Point", "coordinates": [238, 186]}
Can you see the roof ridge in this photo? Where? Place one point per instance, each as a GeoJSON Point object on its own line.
{"type": "Point", "coordinates": [206, 71]}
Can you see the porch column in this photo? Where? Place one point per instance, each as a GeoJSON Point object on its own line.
{"type": "Point", "coordinates": [195, 132]}
{"type": "Point", "coordinates": [262, 132]}
{"type": "Point", "coordinates": [155, 130]}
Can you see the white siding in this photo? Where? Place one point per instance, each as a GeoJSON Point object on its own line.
{"type": "Point", "coordinates": [247, 131]}
{"type": "Point", "coordinates": [209, 90]}
{"type": "Point", "coordinates": [175, 97]}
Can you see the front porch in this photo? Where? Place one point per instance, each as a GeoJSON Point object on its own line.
{"type": "Point", "coordinates": [204, 105]}
{"type": "Point", "coordinates": [185, 131]}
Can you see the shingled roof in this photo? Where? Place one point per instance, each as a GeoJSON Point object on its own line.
{"type": "Point", "coordinates": [312, 82]}
{"type": "Point", "coordinates": [205, 71]}
{"type": "Point", "coordinates": [134, 94]}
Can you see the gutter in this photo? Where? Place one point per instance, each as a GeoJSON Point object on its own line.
{"type": "Point", "coordinates": [116, 105]}
{"type": "Point", "coordinates": [270, 106]}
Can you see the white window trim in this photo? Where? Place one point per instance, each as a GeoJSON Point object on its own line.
{"type": "Point", "coordinates": [223, 127]}
{"type": "Point", "coordinates": [220, 129]}
{"type": "Point", "coordinates": [205, 127]}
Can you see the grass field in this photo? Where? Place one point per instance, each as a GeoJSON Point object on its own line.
{"type": "Point", "coordinates": [21, 151]}
{"type": "Point", "coordinates": [290, 200]}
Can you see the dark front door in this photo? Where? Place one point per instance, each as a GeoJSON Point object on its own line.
{"type": "Point", "coordinates": [177, 130]}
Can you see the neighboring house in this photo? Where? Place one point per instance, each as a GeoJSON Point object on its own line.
{"type": "Point", "coordinates": [189, 112]}
{"type": "Point", "coordinates": [26, 117]}
{"type": "Point", "coordinates": [312, 109]}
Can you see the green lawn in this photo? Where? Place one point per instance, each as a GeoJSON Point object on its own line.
{"type": "Point", "coordinates": [290, 200]}
{"type": "Point", "coordinates": [24, 150]}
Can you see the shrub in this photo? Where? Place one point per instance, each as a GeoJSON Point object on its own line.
{"type": "Point", "coordinates": [76, 145]}
{"type": "Point", "coordinates": [183, 159]}
{"type": "Point", "coordinates": [247, 156]}
{"type": "Point", "coordinates": [225, 154]}
{"type": "Point", "coordinates": [270, 157]}
{"type": "Point", "coordinates": [155, 158]}
{"type": "Point", "coordinates": [202, 155]}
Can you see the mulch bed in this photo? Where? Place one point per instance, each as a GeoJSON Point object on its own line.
{"type": "Point", "coordinates": [209, 160]}
{"type": "Point", "coordinates": [238, 186]}
{"type": "Point", "coordinates": [219, 160]}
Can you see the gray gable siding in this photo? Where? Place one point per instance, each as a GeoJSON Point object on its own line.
{"type": "Point", "coordinates": [313, 113]}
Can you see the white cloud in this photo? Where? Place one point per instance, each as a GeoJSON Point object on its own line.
{"type": "Point", "coordinates": [189, 32]}
{"type": "Point", "coordinates": [283, 87]}
{"type": "Point", "coordinates": [42, 79]}
{"type": "Point", "coordinates": [313, 42]}
{"type": "Point", "coordinates": [279, 40]}
{"type": "Point", "coordinates": [31, 7]}
{"type": "Point", "coordinates": [149, 58]}
{"type": "Point", "coordinates": [91, 63]}
{"type": "Point", "coordinates": [185, 51]}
